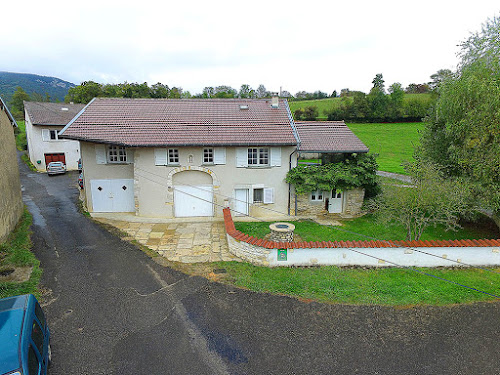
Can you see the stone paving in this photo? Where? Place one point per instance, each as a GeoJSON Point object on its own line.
{"type": "Point", "coordinates": [180, 241]}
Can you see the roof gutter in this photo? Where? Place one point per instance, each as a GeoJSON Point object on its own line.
{"type": "Point", "coordinates": [74, 118]}
{"type": "Point", "coordinates": [9, 115]}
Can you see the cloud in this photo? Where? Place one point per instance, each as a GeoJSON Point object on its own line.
{"type": "Point", "coordinates": [322, 45]}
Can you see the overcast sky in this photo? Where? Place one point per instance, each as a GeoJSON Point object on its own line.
{"type": "Point", "coordinates": [306, 45]}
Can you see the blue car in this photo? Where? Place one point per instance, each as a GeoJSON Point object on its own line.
{"type": "Point", "coordinates": [24, 337]}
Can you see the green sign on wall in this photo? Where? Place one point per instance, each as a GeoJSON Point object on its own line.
{"type": "Point", "coordinates": [282, 255]}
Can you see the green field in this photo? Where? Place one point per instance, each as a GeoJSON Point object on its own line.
{"type": "Point", "coordinates": [329, 103]}
{"type": "Point", "coordinates": [322, 104]}
{"type": "Point", "coordinates": [394, 143]}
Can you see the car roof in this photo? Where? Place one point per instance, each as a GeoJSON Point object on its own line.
{"type": "Point", "coordinates": [11, 322]}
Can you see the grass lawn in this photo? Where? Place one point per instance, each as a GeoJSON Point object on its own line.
{"type": "Point", "coordinates": [15, 252]}
{"type": "Point", "coordinates": [366, 228]}
{"type": "Point", "coordinates": [21, 142]}
{"type": "Point", "coordinates": [365, 286]}
{"type": "Point", "coordinates": [394, 142]}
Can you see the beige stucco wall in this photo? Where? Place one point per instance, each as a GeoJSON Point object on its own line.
{"type": "Point", "coordinates": [154, 189]}
{"type": "Point", "coordinates": [153, 185]}
{"type": "Point", "coordinates": [94, 171]}
{"type": "Point", "coordinates": [11, 205]}
{"type": "Point", "coordinates": [37, 148]}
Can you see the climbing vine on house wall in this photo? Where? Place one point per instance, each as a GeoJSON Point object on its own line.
{"type": "Point", "coordinates": [356, 170]}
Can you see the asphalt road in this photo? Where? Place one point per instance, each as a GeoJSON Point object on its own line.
{"type": "Point", "coordinates": [112, 310]}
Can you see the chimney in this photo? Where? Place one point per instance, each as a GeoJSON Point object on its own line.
{"type": "Point", "coordinates": [275, 100]}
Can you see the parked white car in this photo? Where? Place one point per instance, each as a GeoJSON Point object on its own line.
{"type": "Point", "coordinates": [56, 167]}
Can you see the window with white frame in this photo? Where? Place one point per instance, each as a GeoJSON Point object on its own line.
{"type": "Point", "coordinates": [258, 156]}
{"type": "Point", "coordinates": [263, 195]}
{"type": "Point", "coordinates": [53, 135]}
{"type": "Point", "coordinates": [317, 196]}
{"type": "Point", "coordinates": [258, 195]}
{"type": "Point", "coordinates": [173, 156]}
{"type": "Point", "coordinates": [117, 154]}
{"type": "Point", "coordinates": [208, 156]}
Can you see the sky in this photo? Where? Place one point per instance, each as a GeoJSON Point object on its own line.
{"type": "Point", "coordinates": [317, 45]}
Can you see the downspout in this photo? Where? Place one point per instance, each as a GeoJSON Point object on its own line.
{"type": "Point", "coordinates": [297, 138]}
{"type": "Point", "coordinates": [290, 185]}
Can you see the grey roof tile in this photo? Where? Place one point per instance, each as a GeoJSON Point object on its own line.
{"type": "Point", "coordinates": [328, 136]}
{"type": "Point", "coordinates": [169, 122]}
{"type": "Point", "coordinates": [43, 113]}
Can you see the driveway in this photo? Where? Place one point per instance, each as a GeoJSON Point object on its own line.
{"type": "Point", "coordinates": [187, 242]}
{"type": "Point", "coordinates": [114, 311]}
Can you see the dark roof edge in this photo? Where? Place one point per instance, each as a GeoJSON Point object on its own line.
{"type": "Point", "coordinates": [292, 123]}
{"type": "Point", "coordinates": [179, 145]}
{"type": "Point", "coordinates": [74, 118]}
{"type": "Point", "coordinates": [334, 152]}
{"type": "Point", "coordinates": [7, 112]}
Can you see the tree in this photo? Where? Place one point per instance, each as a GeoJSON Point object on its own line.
{"type": "Point", "coordinates": [225, 92]}
{"type": "Point", "coordinates": [261, 92]}
{"type": "Point", "coordinates": [432, 200]}
{"type": "Point", "coordinates": [159, 90]}
{"type": "Point", "coordinates": [378, 83]}
{"type": "Point", "coordinates": [439, 77]}
{"type": "Point", "coordinates": [378, 102]}
{"type": "Point", "coordinates": [245, 91]}
{"type": "Point", "coordinates": [17, 102]}
{"type": "Point", "coordinates": [462, 134]}
{"type": "Point", "coordinates": [84, 93]}
{"type": "Point", "coordinates": [175, 93]}
{"type": "Point", "coordinates": [396, 108]}
{"type": "Point", "coordinates": [334, 94]}
{"type": "Point", "coordinates": [208, 92]}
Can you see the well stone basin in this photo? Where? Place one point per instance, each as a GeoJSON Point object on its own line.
{"type": "Point", "coordinates": [281, 232]}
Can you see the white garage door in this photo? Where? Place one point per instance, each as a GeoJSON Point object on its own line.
{"type": "Point", "coordinates": [193, 200]}
{"type": "Point", "coordinates": [112, 195]}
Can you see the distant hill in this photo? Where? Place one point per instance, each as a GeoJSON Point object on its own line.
{"type": "Point", "coordinates": [55, 87]}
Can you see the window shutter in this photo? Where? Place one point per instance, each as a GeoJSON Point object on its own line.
{"type": "Point", "coordinates": [219, 155]}
{"type": "Point", "coordinates": [160, 156]}
{"type": "Point", "coordinates": [268, 195]}
{"type": "Point", "coordinates": [241, 157]}
{"type": "Point", "coordinates": [275, 156]}
{"type": "Point", "coordinates": [45, 135]}
{"type": "Point", "coordinates": [130, 155]}
{"type": "Point", "coordinates": [100, 154]}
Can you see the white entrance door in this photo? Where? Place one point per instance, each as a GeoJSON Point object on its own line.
{"type": "Point", "coordinates": [193, 200]}
{"type": "Point", "coordinates": [112, 195]}
{"type": "Point", "coordinates": [241, 202]}
{"type": "Point", "coordinates": [335, 202]}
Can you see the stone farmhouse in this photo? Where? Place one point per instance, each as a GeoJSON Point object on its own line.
{"type": "Point", "coordinates": [43, 123]}
{"type": "Point", "coordinates": [191, 157]}
{"type": "Point", "coordinates": [11, 204]}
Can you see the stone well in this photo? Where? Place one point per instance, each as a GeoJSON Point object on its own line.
{"type": "Point", "coordinates": [281, 232]}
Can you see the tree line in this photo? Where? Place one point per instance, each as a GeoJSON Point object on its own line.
{"type": "Point", "coordinates": [379, 105]}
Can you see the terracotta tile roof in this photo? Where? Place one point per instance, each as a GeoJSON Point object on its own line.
{"type": "Point", "coordinates": [183, 122]}
{"type": "Point", "coordinates": [328, 136]}
{"type": "Point", "coordinates": [42, 113]}
{"type": "Point", "coordinates": [231, 230]}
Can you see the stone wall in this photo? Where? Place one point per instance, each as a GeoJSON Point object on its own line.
{"type": "Point", "coordinates": [11, 204]}
{"type": "Point", "coordinates": [458, 253]}
{"type": "Point", "coordinates": [353, 201]}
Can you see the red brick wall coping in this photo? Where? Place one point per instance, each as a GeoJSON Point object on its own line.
{"type": "Point", "coordinates": [237, 235]}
